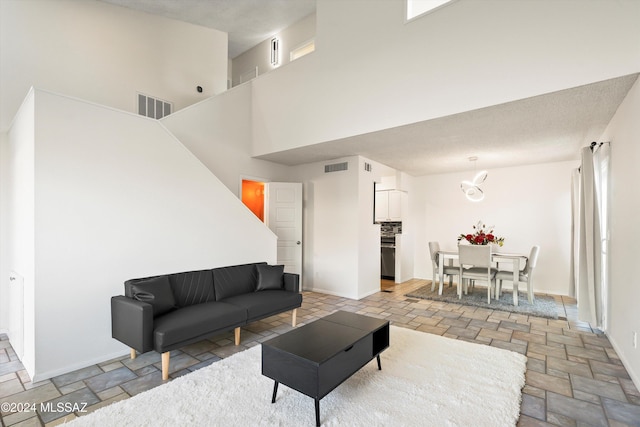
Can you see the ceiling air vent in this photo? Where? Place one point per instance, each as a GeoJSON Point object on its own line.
{"type": "Point", "coordinates": [153, 107]}
{"type": "Point", "coordinates": [336, 167]}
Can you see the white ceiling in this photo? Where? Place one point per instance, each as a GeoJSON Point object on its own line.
{"type": "Point", "coordinates": [248, 22]}
{"type": "Point", "coordinates": [546, 128]}
{"type": "Point", "coordinates": [541, 129]}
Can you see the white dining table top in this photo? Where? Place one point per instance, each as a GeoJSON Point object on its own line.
{"type": "Point", "coordinates": [454, 255]}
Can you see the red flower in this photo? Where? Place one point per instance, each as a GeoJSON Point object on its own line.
{"type": "Point", "coordinates": [480, 237]}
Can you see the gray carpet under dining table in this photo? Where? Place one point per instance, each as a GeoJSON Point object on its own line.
{"type": "Point", "coordinates": [543, 305]}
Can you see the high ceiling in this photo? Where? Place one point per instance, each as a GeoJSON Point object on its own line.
{"type": "Point", "coordinates": [546, 128]}
{"type": "Point", "coordinates": [248, 22]}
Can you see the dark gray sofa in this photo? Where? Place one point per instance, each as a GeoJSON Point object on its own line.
{"type": "Point", "coordinates": [166, 312]}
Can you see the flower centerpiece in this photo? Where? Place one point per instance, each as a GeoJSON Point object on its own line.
{"type": "Point", "coordinates": [482, 235]}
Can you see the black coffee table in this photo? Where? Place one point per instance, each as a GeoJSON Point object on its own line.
{"type": "Point", "coordinates": [316, 358]}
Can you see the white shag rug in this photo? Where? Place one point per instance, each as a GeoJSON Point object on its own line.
{"type": "Point", "coordinates": [426, 380]}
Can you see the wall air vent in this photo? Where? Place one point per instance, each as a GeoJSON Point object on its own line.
{"type": "Point", "coordinates": [367, 167]}
{"type": "Point", "coordinates": [336, 167]}
{"type": "Point", "coordinates": [153, 107]}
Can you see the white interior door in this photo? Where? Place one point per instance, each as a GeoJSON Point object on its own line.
{"type": "Point", "coordinates": [283, 215]}
{"type": "Point", "coordinates": [16, 313]}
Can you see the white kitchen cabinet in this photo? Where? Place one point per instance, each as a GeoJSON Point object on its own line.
{"type": "Point", "coordinates": [389, 205]}
{"type": "Point", "coordinates": [395, 205]}
{"type": "Point", "coordinates": [382, 205]}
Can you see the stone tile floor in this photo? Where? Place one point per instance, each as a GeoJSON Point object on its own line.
{"type": "Point", "coordinates": [574, 377]}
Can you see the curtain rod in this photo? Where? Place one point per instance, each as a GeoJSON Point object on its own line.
{"type": "Point", "coordinates": [595, 145]}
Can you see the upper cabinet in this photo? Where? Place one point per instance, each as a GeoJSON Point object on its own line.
{"type": "Point", "coordinates": [391, 199]}
{"type": "Point", "coordinates": [389, 205]}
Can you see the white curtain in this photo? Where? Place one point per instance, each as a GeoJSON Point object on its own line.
{"type": "Point", "coordinates": [590, 235]}
{"type": "Point", "coordinates": [575, 232]}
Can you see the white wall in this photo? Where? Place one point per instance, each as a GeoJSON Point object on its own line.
{"type": "Point", "coordinates": [260, 55]}
{"type": "Point", "coordinates": [4, 228]}
{"type": "Point", "coordinates": [372, 71]}
{"type": "Point", "coordinates": [529, 205]}
{"type": "Point", "coordinates": [105, 53]}
{"type": "Point", "coordinates": [624, 293]}
{"type": "Point", "coordinates": [116, 197]}
{"type": "Point", "coordinates": [341, 244]}
{"type": "Point", "coordinates": [218, 132]}
{"type": "Point", "coordinates": [368, 232]}
{"type": "Point", "coordinates": [330, 223]}
{"type": "Point", "coordinates": [18, 239]}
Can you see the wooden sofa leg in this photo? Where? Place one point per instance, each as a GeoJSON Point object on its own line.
{"type": "Point", "coordinates": [133, 353]}
{"type": "Point", "coordinates": [237, 334]}
{"type": "Point", "coordinates": [165, 365]}
{"type": "Point", "coordinates": [293, 317]}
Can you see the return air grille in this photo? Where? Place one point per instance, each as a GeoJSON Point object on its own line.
{"type": "Point", "coordinates": [336, 167]}
{"type": "Point", "coordinates": [153, 107]}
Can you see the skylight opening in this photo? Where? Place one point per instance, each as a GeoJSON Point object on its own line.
{"type": "Point", "coordinates": [417, 8]}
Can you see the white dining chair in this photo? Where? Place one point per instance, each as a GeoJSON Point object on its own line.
{"type": "Point", "coordinates": [475, 264]}
{"type": "Point", "coordinates": [525, 275]}
{"type": "Point", "coordinates": [448, 270]}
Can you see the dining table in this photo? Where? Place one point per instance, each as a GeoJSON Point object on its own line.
{"type": "Point", "coordinates": [497, 257]}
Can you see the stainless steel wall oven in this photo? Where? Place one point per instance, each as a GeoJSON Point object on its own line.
{"type": "Point", "coordinates": [388, 257]}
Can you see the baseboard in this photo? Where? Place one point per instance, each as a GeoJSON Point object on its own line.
{"type": "Point", "coordinates": [41, 376]}
{"type": "Point", "coordinates": [369, 293]}
{"type": "Point", "coordinates": [635, 378]}
{"type": "Point", "coordinates": [329, 292]}
{"type": "Point", "coordinates": [338, 294]}
{"type": "Point", "coordinates": [509, 286]}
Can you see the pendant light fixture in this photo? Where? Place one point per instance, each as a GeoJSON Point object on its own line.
{"type": "Point", "coordinates": [471, 189]}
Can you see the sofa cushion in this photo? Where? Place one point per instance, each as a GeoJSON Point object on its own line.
{"type": "Point", "coordinates": [155, 291]}
{"type": "Point", "coordinates": [269, 277]}
{"type": "Point", "coordinates": [265, 303]}
{"type": "Point", "coordinates": [235, 280]}
{"type": "Point", "coordinates": [195, 321]}
{"type": "Point", "coordinates": [192, 287]}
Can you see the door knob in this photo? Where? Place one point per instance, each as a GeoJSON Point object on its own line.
{"type": "Point", "coordinates": [298, 242]}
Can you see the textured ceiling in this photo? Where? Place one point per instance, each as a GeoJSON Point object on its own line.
{"type": "Point", "coordinates": [248, 22]}
{"type": "Point", "coordinates": [541, 129]}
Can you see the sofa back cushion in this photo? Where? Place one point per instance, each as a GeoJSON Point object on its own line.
{"type": "Point", "coordinates": [192, 287]}
{"type": "Point", "coordinates": [235, 280]}
{"type": "Point", "coordinates": [155, 291]}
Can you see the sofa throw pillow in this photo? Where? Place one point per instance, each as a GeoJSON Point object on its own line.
{"type": "Point", "coordinates": [157, 292]}
{"type": "Point", "coordinates": [269, 277]}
